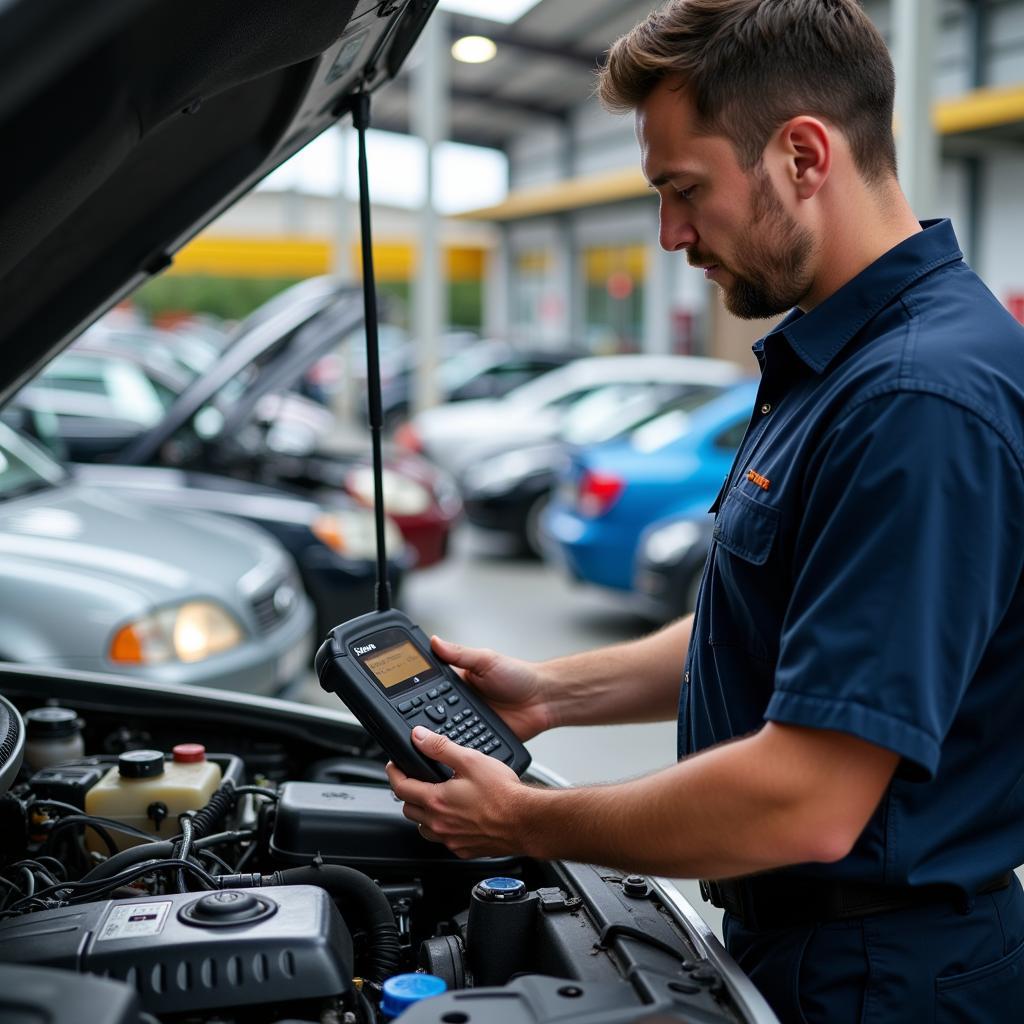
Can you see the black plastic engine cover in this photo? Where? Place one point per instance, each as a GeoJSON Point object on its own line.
{"type": "Point", "coordinates": [36, 994]}
{"type": "Point", "coordinates": [293, 946]}
{"type": "Point", "coordinates": [359, 826]}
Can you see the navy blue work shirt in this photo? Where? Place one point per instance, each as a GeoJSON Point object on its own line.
{"type": "Point", "coordinates": [866, 569]}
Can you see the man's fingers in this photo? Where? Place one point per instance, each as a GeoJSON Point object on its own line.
{"type": "Point", "coordinates": [409, 790]}
{"type": "Point", "coordinates": [474, 660]}
{"type": "Point", "coordinates": [440, 748]}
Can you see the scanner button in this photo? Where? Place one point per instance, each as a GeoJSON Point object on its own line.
{"type": "Point", "coordinates": [406, 705]}
{"type": "Point", "coordinates": [437, 712]}
{"type": "Point", "coordinates": [417, 701]}
{"type": "Point", "coordinates": [477, 729]}
{"type": "Point", "coordinates": [449, 724]}
{"type": "Point", "coordinates": [435, 692]}
{"type": "Point", "coordinates": [444, 687]}
{"type": "Point", "coordinates": [457, 718]}
{"type": "Point", "coordinates": [453, 698]}
{"type": "Point", "coordinates": [462, 728]}
{"type": "Point", "coordinates": [487, 748]}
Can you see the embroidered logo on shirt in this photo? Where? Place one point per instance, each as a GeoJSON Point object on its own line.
{"type": "Point", "coordinates": [762, 481]}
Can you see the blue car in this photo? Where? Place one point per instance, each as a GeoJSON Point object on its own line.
{"type": "Point", "coordinates": [611, 492]}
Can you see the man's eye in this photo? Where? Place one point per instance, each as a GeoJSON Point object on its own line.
{"type": "Point", "coordinates": [686, 193]}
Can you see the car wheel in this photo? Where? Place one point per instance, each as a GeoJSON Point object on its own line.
{"type": "Point", "coordinates": [530, 538]}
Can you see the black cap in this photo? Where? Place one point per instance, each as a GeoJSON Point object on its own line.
{"type": "Point", "coordinates": [140, 764]}
{"type": "Point", "coordinates": [51, 723]}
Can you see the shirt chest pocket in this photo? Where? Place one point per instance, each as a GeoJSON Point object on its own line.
{"type": "Point", "coordinates": [746, 604]}
{"type": "Point", "coordinates": [746, 527]}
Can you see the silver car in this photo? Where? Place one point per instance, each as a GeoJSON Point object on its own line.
{"type": "Point", "coordinates": [92, 580]}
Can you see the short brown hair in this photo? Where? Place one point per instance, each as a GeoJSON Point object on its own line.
{"type": "Point", "coordinates": [751, 65]}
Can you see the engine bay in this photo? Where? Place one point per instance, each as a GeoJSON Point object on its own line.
{"type": "Point", "coordinates": [296, 890]}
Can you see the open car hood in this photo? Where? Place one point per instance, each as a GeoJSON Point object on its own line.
{"type": "Point", "coordinates": [281, 339]}
{"type": "Point", "coordinates": [128, 125]}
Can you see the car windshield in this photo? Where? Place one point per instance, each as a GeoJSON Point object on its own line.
{"type": "Point", "coordinates": [611, 411]}
{"type": "Point", "coordinates": [24, 467]}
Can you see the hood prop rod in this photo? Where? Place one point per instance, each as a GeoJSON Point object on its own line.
{"type": "Point", "coordinates": [361, 121]}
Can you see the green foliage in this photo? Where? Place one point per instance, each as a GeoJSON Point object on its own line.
{"type": "Point", "coordinates": [230, 298]}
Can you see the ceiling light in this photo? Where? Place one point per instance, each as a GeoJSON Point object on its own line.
{"type": "Point", "coordinates": [474, 49]}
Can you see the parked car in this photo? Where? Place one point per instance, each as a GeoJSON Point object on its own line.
{"type": "Point", "coordinates": [483, 369]}
{"type": "Point", "coordinates": [106, 583]}
{"type": "Point", "coordinates": [333, 544]}
{"type": "Point", "coordinates": [669, 565]}
{"type": "Point", "coordinates": [507, 492]}
{"type": "Point", "coordinates": [237, 417]}
{"type": "Point", "coordinates": [610, 492]}
{"type": "Point", "coordinates": [297, 891]}
{"type": "Point", "coordinates": [453, 436]}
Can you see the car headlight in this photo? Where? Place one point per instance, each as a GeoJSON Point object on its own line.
{"type": "Point", "coordinates": [187, 632]}
{"type": "Point", "coordinates": [667, 543]}
{"type": "Point", "coordinates": [403, 496]}
{"type": "Point", "coordinates": [353, 534]}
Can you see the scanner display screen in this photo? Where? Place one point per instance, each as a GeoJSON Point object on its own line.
{"type": "Point", "coordinates": [395, 665]}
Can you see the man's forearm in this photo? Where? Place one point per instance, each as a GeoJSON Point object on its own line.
{"type": "Point", "coordinates": [744, 807]}
{"type": "Point", "coordinates": [631, 682]}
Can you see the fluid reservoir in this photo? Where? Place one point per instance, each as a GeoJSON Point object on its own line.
{"type": "Point", "coordinates": [53, 736]}
{"type": "Point", "coordinates": [149, 792]}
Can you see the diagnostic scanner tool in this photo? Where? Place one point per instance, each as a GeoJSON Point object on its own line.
{"type": "Point", "coordinates": [382, 667]}
{"type": "Point", "coordinates": [380, 664]}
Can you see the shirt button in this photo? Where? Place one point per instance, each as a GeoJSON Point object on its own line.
{"type": "Point", "coordinates": [766, 408]}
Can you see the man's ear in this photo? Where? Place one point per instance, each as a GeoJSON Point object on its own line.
{"type": "Point", "coordinates": [806, 146]}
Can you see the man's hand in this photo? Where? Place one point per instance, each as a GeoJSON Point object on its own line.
{"type": "Point", "coordinates": [475, 814]}
{"type": "Point", "coordinates": [511, 686]}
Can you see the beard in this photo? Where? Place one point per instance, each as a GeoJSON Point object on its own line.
{"type": "Point", "coordinates": [776, 253]}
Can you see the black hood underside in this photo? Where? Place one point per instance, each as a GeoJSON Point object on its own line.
{"type": "Point", "coordinates": [127, 125]}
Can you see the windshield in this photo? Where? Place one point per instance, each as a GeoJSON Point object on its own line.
{"type": "Point", "coordinates": [611, 411]}
{"type": "Point", "coordinates": [24, 467]}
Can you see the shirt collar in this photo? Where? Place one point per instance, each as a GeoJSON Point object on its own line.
{"type": "Point", "coordinates": [817, 337]}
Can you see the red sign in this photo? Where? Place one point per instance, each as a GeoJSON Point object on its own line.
{"type": "Point", "coordinates": [1015, 304]}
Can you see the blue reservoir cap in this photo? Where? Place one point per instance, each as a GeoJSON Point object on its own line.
{"type": "Point", "coordinates": [501, 888]}
{"type": "Point", "coordinates": [401, 991]}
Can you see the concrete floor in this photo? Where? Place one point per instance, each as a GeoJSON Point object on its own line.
{"type": "Point", "coordinates": [483, 597]}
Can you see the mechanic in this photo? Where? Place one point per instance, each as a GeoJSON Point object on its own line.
{"type": "Point", "coordinates": [851, 708]}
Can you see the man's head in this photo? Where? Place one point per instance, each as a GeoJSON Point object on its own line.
{"type": "Point", "coordinates": [744, 108]}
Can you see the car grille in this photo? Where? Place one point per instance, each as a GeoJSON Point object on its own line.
{"type": "Point", "coordinates": [274, 603]}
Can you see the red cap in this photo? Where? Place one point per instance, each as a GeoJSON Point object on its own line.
{"type": "Point", "coordinates": [189, 753]}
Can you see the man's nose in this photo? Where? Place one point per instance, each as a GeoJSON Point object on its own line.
{"type": "Point", "coordinates": [675, 229]}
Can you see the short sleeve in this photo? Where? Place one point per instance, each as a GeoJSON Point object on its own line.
{"type": "Point", "coordinates": [908, 552]}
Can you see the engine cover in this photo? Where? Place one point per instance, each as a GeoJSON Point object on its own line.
{"type": "Point", "coordinates": [197, 951]}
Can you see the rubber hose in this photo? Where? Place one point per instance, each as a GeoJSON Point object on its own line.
{"type": "Point", "coordinates": [367, 899]}
{"type": "Point", "coordinates": [126, 858]}
{"type": "Point", "coordinates": [213, 816]}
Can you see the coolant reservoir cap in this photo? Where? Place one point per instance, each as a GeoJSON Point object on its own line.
{"type": "Point", "coordinates": [51, 723]}
{"type": "Point", "coordinates": [140, 764]}
{"type": "Point", "coordinates": [500, 889]}
{"type": "Point", "coordinates": [401, 991]}
{"type": "Point", "coordinates": [188, 753]}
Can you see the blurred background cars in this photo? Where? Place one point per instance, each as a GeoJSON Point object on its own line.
{"type": "Point", "coordinates": [609, 493]}
{"type": "Point", "coordinates": [481, 369]}
{"type": "Point", "coordinates": [454, 435]}
{"type": "Point", "coordinates": [237, 417]}
{"type": "Point", "coordinates": [106, 583]}
{"type": "Point", "coordinates": [507, 492]}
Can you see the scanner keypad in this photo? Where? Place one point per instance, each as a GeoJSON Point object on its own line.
{"type": "Point", "coordinates": [449, 715]}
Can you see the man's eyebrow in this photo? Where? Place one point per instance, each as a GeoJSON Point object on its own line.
{"type": "Point", "coordinates": [664, 179]}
